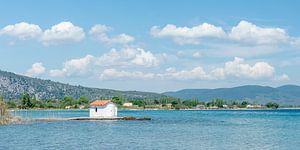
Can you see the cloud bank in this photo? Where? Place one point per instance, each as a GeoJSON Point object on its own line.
{"type": "Point", "coordinates": [36, 70]}
{"type": "Point", "coordinates": [244, 33]}
{"type": "Point", "coordinates": [100, 33]}
{"type": "Point", "coordinates": [63, 32]}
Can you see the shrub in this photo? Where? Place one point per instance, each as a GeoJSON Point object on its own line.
{"type": "Point", "coordinates": [272, 105]}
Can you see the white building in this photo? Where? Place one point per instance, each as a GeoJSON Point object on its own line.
{"type": "Point", "coordinates": [127, 104]}
{"type": "Point", "coordinates": [103, 108]}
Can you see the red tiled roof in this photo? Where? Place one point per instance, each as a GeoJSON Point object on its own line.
{"type": "Point", "coordinates": [100, 102]}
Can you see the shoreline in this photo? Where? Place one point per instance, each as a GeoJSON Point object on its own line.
{"type": "Point", "coordinates": [287, 108]}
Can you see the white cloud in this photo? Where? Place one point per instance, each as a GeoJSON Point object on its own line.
{"type": "Point", "coordinates": [180, 53]}
{"type": "Point", "coordinates": [237, 68]}
{"type": "Point", "coordinates": [196, 73]}
{"type": "Point", "coordinates": [129, 56]}
{"type": "Point", "coordinates": [197, 54]}
{"type": "Point", "coordinates": [57, 73]}
{"type": "Point", "coordinates": [108, 74]}
{"type": "Point", "coordinates": [283, 77]}
{"type": "Point", "coordinates": [243, 33]}
{"type": "Point", "coordinates": [22, 30]}
{"type": "Point", "coordinates": [124, 58]}
{"type": "Point", "coordinates": [145, 58]}
{"type": "Point", "coordinates": [249, 33]}
{"type": "Point", "coordinates": [79, 66]}
{"type": "Point", "coordinates": [186, 35]}
{"type": "Point", "coordinates": [136, 63]}
{"type": "Point", "coordinates": [171, 69]}
{"type": "Point", "coordinates": [63, 32]}
{"type": "Point", "coordinates": [100, 33]}
{"type": "Point", "coordinates": [36, 69]}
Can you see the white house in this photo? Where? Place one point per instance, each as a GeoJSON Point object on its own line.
{"type": "Point", "coordinates": [127, 104]}
{"type": "Point", "coordinates": [103, 108]}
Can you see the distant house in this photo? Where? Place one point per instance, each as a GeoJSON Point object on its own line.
{"type": "Point", "coordinates": [225, 106]}
{"type": "Point", "coordinates": [81, 106]}
{"type": "Point", "coordinates": [234, 107]}
{"type": "Point", "coordinates": [213, 107]}
{"type": "Point", "coordinates": [169, 105]}
{"type": "Point", "coordinates": [103, 108]}
{"type": "Point", "coordinates": [128, 104]}
{"type": "Point", "coordinates": [254, 106]}
{"type": "Point", "coordinates": [68, 107]}
{"type": "Point", "coordinates": [200, 106]}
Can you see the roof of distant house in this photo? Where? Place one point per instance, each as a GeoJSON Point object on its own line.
{"type": "Point", "coordinates": [100, 102]}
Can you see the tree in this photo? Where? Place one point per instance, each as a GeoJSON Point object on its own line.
{"type": "Point", "coordinates": [175, 102]}
{"type": "Point", "coordinates": [38, 103]}
{"type": "Point", "coordinates": [117, 100]}
{"type": "Point", "coordinates": [11, 104]}
{"type": "Point", "coordinates": [49, 104]}
{"type": "Point", "coordinates": [140, 103]}
{"type": "Point", "coordinates": [180, 106]}
{"type": "Point", "coordinates": [272, 105]}
{"type": "Point", "coordinates": [26, 102]}
{"type": "Point", "coordinates": [190, 103]}
{"type": "Point", "coordinates": [235, 103]}
{"type": "Point", "coordinates": [67, 101]}
{"type": "Point", "coordinates": [244, 104]}
{"type": "Point", "coordinates": [83, 100]}
{"type": "Point", "coordinates": [219, 102]}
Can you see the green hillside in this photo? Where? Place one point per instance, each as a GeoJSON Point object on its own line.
{"type": "Point", "coordinates": [12, 86]}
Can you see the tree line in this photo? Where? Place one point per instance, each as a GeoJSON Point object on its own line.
{"type": "Point", "coordinates": [30, 102]}
{"type": "Point", "coordinates": [187, 104]}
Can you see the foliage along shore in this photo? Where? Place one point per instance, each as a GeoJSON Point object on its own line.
{"type": "Point", "coordinates": [5, 116]}
{"type": "Point", "coordinates": [27, 101]}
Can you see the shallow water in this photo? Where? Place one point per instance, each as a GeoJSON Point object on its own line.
{"type": "Point", "coordinates": [207, 129]}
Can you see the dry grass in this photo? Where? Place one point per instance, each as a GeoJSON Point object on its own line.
{"type": "Point", "coordinates": [5, 117]}
{"type": "Point", "coordinates": [4, 114]}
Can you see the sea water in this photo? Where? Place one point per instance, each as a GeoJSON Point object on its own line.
{"type": "Point", "coordinates": [168, 129]}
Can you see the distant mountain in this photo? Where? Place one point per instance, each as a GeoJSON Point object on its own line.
{"type": "Point", "coordinates": [288, 94]}
{"type": "Point", "coordinates": [12, 86]}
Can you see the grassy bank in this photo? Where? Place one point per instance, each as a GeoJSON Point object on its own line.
{"type": "Point", "coordinates": [5, 117]}
{"type": "Point", "coordinates": [4, 113]}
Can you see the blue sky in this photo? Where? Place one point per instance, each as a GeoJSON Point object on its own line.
{"type": "Point", "coordinates": [152, 45]}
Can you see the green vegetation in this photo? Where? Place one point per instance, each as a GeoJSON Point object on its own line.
{"type": "Point", "coordinates": [173, 103]}
{"type": "Point", "coordinates": [15, 85]}
{"type": "Point", "coordinates": [28, 101]}
{"type": "Point", "coordinates": [272, 105]}
{"type": "Point", "coordinates": [118, 100]}
{"type": "Point", "coordinates": [4, 115]}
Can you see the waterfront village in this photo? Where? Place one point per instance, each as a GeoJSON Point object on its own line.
{"type": "Point", "coordinates": [165, 103]}
{"type": "Point", "coordinates": [108, 108]}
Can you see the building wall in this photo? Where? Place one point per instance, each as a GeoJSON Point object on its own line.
{"type": "Point", "coordinates": [127, 104]}
{"type": "Point", "coordinates": [109, 110]}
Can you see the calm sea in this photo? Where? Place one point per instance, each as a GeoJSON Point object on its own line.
{"type": "Point", "coordinates": [208, 129]}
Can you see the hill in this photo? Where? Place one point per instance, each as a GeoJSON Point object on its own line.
{"type": "Point", "coordinates": [288, 94]}
{"type": "Point", "coordinates": [12, 86]}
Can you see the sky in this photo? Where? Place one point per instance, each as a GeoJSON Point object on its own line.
{"type": "Point", "coordinates": [153, 45]}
